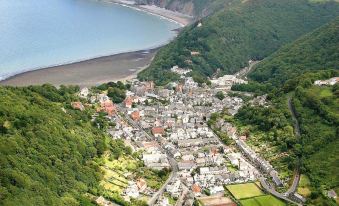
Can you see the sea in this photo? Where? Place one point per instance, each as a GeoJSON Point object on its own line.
{"type": "Point", "coordinates": [36, 34]}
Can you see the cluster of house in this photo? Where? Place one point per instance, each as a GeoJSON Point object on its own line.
{"type": "Point", "coordinates": [177, 117]}
{"type": "Point", "coordinates": [180, 71]}
{"type": "Point", "coordinates": [227, 81]}
{"type": "Point", "coordinates": [255, 159]}
{"type": "Point", "coordinates": [209, 171]}
{"type": "Point", "coordinates": [135, 188]}
{"type": "Point", "coordinates": [103, 102]}
{"type": "Point", "coordinates": [330, 82]}
{"type": "Point", "coordinates": [171, 123]}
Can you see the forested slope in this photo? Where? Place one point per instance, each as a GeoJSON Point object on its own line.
{"type": "Point", "coordinates": [314, 51]}
{"type": "Point", "coordinates": [46, 154]}
{"type": "Point", "coordinates": [291, 72]}
{"type": "Point", "coordinates": [317, 109]}
{"type": "Point", "coordinates": [242, 31]}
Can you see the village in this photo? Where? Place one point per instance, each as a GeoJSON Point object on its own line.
{"type": "Point", "coordinates": [169, 125]}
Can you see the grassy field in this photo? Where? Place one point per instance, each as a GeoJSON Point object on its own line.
{"type": "Point", "coordinates": [124, 164]}
{"type": "Point", "coordinates": [322, 91]}
{"type": "Point", "coordinates": [249, 202]}
{"type": "Point", "coordinates": [242, 191]}
{"type": "Point", "coordinates": [304, 185]}
{"type": "Point", "coordinates": [269, 200]}
{"type": "Point", "coordinates": [265, 200]}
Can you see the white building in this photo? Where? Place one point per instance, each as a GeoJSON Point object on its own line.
{"type": "Point", "coordinates": [227, 80]}
{"type": "Point", "coordinates": [132, 190]}
{"type": "Point", "coordinates": [84, 92]}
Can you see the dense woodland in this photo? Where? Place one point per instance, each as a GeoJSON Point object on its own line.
{"type": "Point", "coordinates": [242, 31]}
{"type": "Point", "coordinates": [46, 155]}
{"type": "Point", "coordinates": [314, 51]}
{"type": "Point", "coordinates": [290, 73]}
{"type": "Point", "coordinates": [318, 113]}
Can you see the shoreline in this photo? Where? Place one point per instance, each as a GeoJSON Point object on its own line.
{"type": "Point", "coordinates": [92, 72]}
{"type": "Point", "coordinates": [13, 75]}
{"type": "Point", "coordinates": [176, 17]}
{"type": "Point", "coordinates": [25, 78]}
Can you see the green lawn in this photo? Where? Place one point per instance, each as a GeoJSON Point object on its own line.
{"type": "Point", "coordinates": [304, 181]}
{"type": "Point", "coordinates": [242, 191]}
{"type": "Point", "coordinates": [269, 200]}
{"type": "Point", "coordinates": [265, 200]}
{"type": "Point", "coordinates": [249, 202]}
{"type": "Point", "coordinates": [322, 91]}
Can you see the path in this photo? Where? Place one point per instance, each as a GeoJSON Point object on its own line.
{"type": "Point", "coordinates": [243, 72]}
{"type": "Point", "coordinates": [296, 179]}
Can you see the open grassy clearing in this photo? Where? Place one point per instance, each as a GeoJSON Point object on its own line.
{"type": "Point", "coordinates": [242, 191]}
{"type": "Point", "coordinates": [322, 91]}
{"type": "Point", "coordinates": [304, 185]}
{"type": "Point", "coordinates": [124, 164]}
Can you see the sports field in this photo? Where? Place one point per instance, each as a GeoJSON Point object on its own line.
{"type": "Point", "coordinates": [242, 191]}
{"type": "Point", "coordinates": [265, 200]}
{"type": "Point", "coordinates": [249, 202]}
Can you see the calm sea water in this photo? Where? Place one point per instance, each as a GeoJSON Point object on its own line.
{"type": "Point", "coordinates": [41, 33]}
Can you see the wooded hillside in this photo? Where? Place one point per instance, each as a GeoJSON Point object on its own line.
{"type": "Point", "coordinates": [46, 155]}
{"type": "Point", "coordinates": [242, 31]}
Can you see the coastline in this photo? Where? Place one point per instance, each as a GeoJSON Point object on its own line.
{"type": "Point", "coordinates": [92, 72]}
{"type": "Point", "coordinates": [179, 18]}
{"type": "Point", "coordinates": [96, 70]}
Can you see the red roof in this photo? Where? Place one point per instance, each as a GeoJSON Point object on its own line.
{"type": "Point", "coordinates": [141, 183]}
{"type": "Point", "coordinates": [158, 130]}
{"type": "Point", "coordinates": [135, 115]}
{"type": "Point", "coordinates": [150, 144]}
{"type": "Point", "coordinates": [108, 107]}
{"type": "Point", "coordinates": [214, 150]}
{"type": "Point", "coordinates": [196, 188]}
{"type": "Point", "coordinates": [77, 105]}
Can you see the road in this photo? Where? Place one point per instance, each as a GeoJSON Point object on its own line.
{"type": "Point", "coordinates": [293, 112]}
{"type": "Point", "coordinates": [243, 73]}
{"type": "Point", "coordinates": [172, 161]}
{"type": "Point", "coordinates": [180, 200]}
{"type": "Point", "coordinates": [289, 195]}
{"type": "Point", "coordinates": [296, 179]}
{"type": "Point", "coordinates": [270, 189]}
{"type": "Point", "coordinates": [273, 192]}
{"type": "Point", "coordinates": [173, 175]}
{"type": "Point", "coordinates": [135, 124]}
